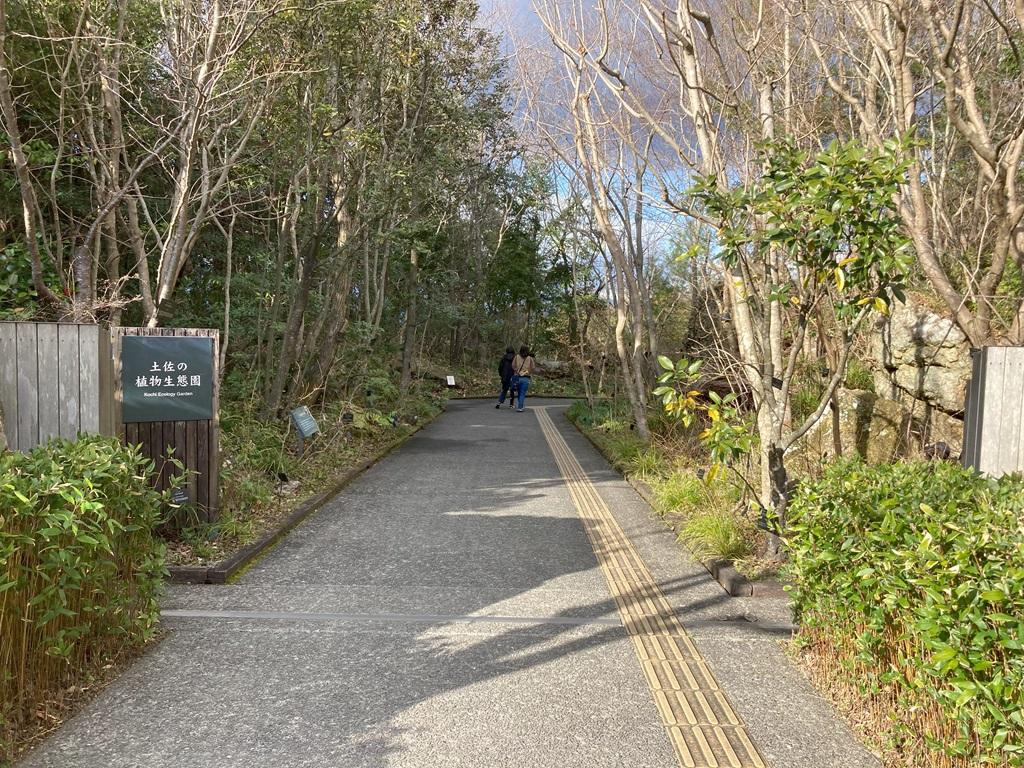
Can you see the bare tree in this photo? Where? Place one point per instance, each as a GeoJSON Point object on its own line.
{"type": "Point", "coordinates": [938, 72]}
{"type": "Point", "coordinates": [85, 74]}
{"type": "Point", "coordinates": [612, 167]}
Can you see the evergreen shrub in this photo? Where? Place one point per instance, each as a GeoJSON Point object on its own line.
{"type": "Point", "coordinates": [909, 581]}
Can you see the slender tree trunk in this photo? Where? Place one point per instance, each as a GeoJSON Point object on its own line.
{"type": "Point", "coordinates": [296, 314]}
{"type": "Point", "coordinates": [229, 247]}
{"type": "Point", "coordinates": [778, 494]}
{"type": "Point", "coordinates": [138, 246]}
{"type": "Point", "coordinates": [409, 346]}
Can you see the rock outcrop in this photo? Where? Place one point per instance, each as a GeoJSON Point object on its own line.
{"type": "Point", "coordinates": [881, 430]}
{"type": "Point", "coordinates": [919, 355]}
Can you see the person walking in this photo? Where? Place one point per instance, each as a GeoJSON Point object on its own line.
{"type": "Point", "coordinates": [506, 372]}
{"type": "Point", "coordinates": [523, 367]}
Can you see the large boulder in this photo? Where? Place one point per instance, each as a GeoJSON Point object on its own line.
{"type": "Point", "coordinates": [917, 354]}
{"type": "Point", "coordinates": [881, 430]}
{"type": "Point", "coordinates": [553, 368]}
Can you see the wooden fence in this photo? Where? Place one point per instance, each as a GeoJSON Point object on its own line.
{"type": "Point", "coordinates": [994, 413]}
{"type": "Point", "coordinates": [55, 381]}
{"type": "Point", "coordinates": [195, 443]}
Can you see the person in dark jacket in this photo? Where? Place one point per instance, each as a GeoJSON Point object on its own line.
{"type": "Point", "coordinates": [506, 372]}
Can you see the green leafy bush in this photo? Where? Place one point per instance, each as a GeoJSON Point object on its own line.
{"type": "Point", "coordinates": [909, 579]}
{"type": "Point", "coordinates": [80, 567]}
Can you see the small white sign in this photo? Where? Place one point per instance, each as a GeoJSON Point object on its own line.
{"type": "Point", "coordinates": [451, 381]}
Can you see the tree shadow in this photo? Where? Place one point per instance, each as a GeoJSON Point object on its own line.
{"type": "Point", "coordinates": [424, 532]}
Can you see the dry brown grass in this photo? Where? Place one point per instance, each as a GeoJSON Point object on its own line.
{"type": "Point", "coordinates": [891, 728]}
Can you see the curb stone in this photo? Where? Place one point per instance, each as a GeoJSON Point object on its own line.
{"type": "Point", "coordinates": [231, 567]}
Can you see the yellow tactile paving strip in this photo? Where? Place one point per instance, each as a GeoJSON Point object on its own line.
{"type": "Point", "coordinates": [703, 727]}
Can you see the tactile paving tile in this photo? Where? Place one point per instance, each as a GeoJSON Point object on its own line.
{"type": "Point", "coordinates": [703, 727]}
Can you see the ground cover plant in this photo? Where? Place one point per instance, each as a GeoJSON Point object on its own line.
{"type": "Point", "coordinates": [80, 569]}
{"type": "Point", "coordinates": [908, 582]}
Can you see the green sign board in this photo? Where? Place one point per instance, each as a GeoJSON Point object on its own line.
{"type": "Point", "coordinates": [166, 378]}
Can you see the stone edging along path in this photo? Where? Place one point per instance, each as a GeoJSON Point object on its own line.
{"type": "Point", "coordinates": [732, 581]}
{"type": "Point", "coordinates": [230, 567]}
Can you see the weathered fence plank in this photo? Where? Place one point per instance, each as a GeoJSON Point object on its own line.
{"type": "Point", "coordinates": [992, 408]}
{"type": "Point", "coordinates": [89, 378]}
{"type": "Point", "coordinates": [28, 387]}
{"type": "Point", "coordinates": [68, 390]}
{"type": "Point", "coordinates": [994, 413]}
{"type": "Point", "coordinates": [1010, 432]}
{"type": "Point", "coordinates": [9, 381]}
{"type": "Point", "coordinates": [48, 395]}
{"type": "Point", "coordinates": [191, 443]}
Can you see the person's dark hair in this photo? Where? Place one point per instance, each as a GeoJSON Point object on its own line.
{"type": "Point", "coordinates": [510, 350]}
{"type": "Point", "coordinates": [524, 351]}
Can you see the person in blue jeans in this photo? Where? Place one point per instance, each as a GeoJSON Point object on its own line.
{"type": "Point", "coordinates": [522, 368]}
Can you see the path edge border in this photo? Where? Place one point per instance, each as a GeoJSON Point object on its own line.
{"type": "Point", "coordinates": [225, 570]}
{"type": "Point", "coordinates": [734, 583]}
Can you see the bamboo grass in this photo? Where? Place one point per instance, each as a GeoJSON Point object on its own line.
{"type": "Point", "coordinates": [79, 569]}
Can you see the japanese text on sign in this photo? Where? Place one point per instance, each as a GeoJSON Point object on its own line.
{"type": "Point", "coordinates": [166, 378]}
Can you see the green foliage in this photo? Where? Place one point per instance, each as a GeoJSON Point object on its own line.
{"type": "Point", "coordinates": [17, 294]}
{"type": "Point", "coordinates": [858, 376]}
{"type": "Point", "coordinates": [831, 215]}
{"type": "Point", "coordinates": [729, 433]}
{"type": "Point", "coordinates": [912, 575]}
{"type": "Point", "coordinates": [645, 463]}
{"type": "Point", "coordinates": [678, 493]}
{"type": "Point", "coordinates": [675, 388]}
{"type": "Point", "coordinates": [80, 567]}
{"type": "Point", "coordinates": [804, 401]}
{"type": "Point", "coordinates": [254, 443]}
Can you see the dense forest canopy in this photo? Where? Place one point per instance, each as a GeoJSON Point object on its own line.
{"type": "Point", "coordinates": [336, 185]}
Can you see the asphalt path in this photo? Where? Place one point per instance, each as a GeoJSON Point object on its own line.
{"type": "Point", "coordinates": [446, 609]}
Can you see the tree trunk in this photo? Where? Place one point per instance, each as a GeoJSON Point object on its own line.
{"type": "Point", "coordinates": [777, 497]}
{"type": "Point", "coordinates": [228, 255]}
{"type": "Point", "coordinates": [307, 267]}
{"type": "Point", "coordinates": [409, 345]}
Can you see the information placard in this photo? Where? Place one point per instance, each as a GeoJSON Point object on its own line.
{"type": "Point", "coordinates": [166, 378]}
{"type": "Point", "coordinates": [304, 422]}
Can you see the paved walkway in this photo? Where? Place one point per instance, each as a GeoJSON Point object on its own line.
{"type": "Point", "coordinates": [490, 595]}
